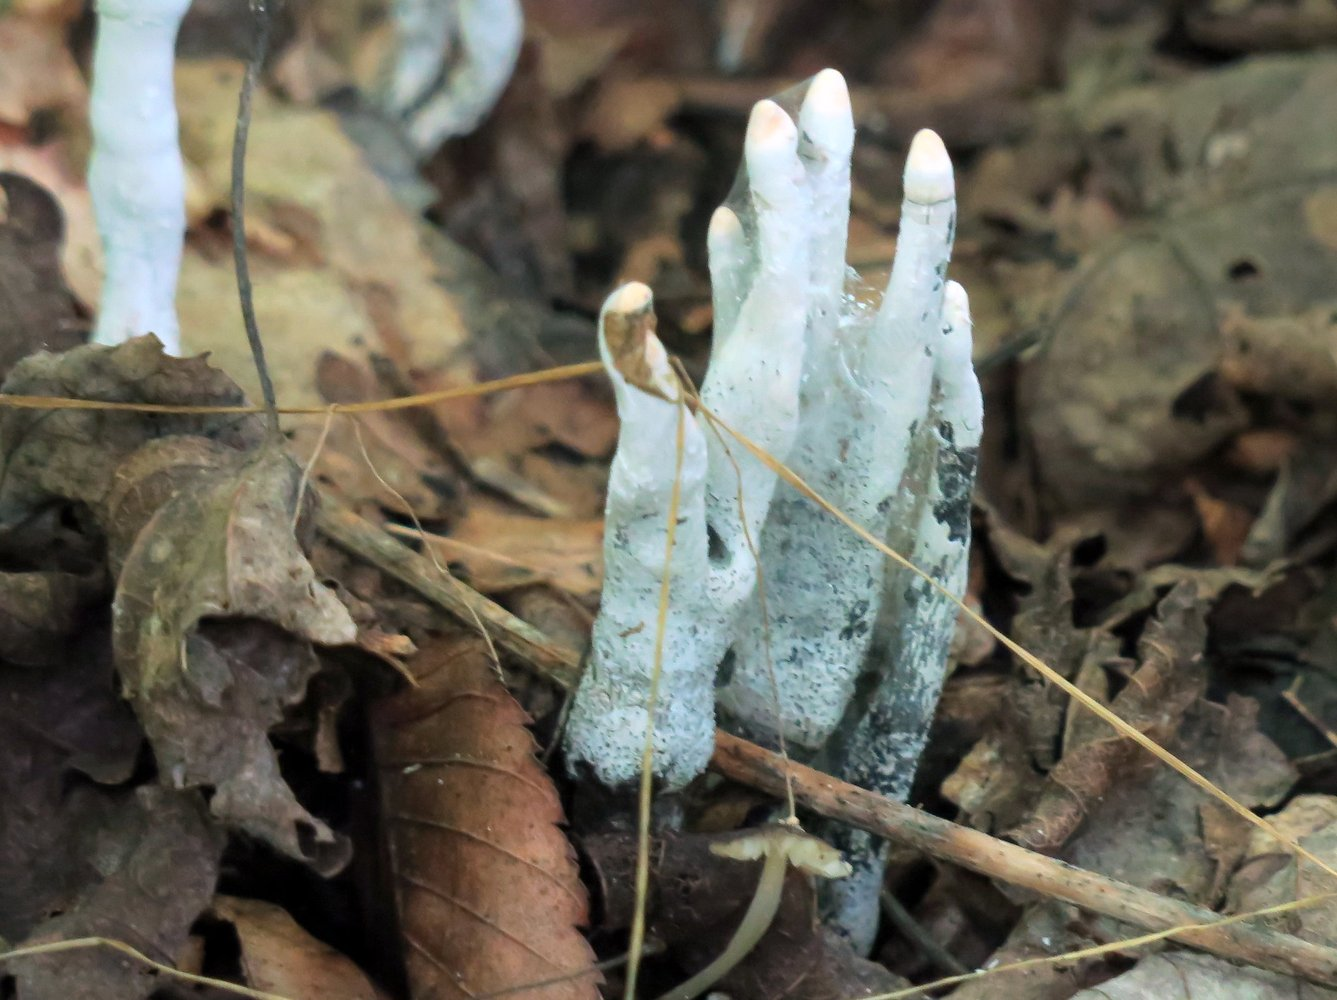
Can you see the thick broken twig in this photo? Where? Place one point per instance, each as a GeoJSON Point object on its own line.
{"type": "Point", "coordinates": [749, 764]}
{"type": "Point", "coordinates": [363, 539]}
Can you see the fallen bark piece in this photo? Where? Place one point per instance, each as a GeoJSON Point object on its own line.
{"type": "Point", "coordinates": [489, 894]}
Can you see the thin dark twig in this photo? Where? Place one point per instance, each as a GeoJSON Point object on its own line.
{"type": "Point", "coordinates": [906, 923]}
{"type": "Point", "coordinates": [263, 10]}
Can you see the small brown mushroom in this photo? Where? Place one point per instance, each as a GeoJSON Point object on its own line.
{"type": "Point", "coordinates": [777, 846]}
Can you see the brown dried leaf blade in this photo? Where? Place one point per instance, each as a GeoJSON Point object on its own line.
{"type": "Point", "coordinates": [279, 956]}
{"type": "Point", "coordinates": [488, 889]}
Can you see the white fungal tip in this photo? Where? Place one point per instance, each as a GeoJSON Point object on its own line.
{"type": "Point", "coordinates": [769, 126]}
{"type": "Point", "coordinates": [632, 297]}
{"type": "Point", "coordinates": [629, 345]}
{"type": "Point", "coordinates": [953, 364]}
{"type": "Point", "coordinates": [956, 306]}
{"type": "Point", "coordinates": [826, 118]}
{"type": "Point", "coordinates": [928, 170]}
{"type": "Point", "coordinates": [771, 150]}
{"type": "Point", "coordinates": [725, 233]}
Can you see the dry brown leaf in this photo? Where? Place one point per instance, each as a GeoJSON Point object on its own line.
{"type": "Point", "coordinates": [374, 458]}
{"type": "Point", "coordinates": [1130, 388]}
{"type": "Point", "coordinates": [563, 413]}
{"type": "Point", "coordinates": [1268, 874]}
{"type": "Point", "coordinates": [1226, 25]}
{"type": "Point", "coordinates": [495, 551]}
{"type": "Point", "coordinates": [63, 724]}
{"type": "Point", "coordinates": [301, 164]}
{"type": "Point", "coordinates": [1183, 975]}
{"type": "Point", "coordinates": [626, 111]}
{"type": "Point", "coordinates": [216, 608]}
{"type": "Point", "coordinates": [1225, 525]}
{"type": "Point", "coordinates": [489, 894]}
{"type": "Point", "coordinates": [279, 956]}
{"type": "Point", "coordinates": [41, 611]}
{"type": "Point", "coordinates": [72, 455]}
{"type": "Point", "coordinates": [36, 308]}
{"type": "Point", "coordinates": [51, 166]}
{"type": "Point", "coordinates": [153, 863]}
{"type": "Point", "coordinates": [37, 71]}
{"type": "Point", "coordinates": [1290, 356]}
{"type": "Point", "coordinates": [1169, 678]}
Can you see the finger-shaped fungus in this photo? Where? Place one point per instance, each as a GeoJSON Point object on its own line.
{"type": "Point", "coordinates": [135, 173]}
{"type": "Point", "coordinates": [606, 732]}
{"type": "Point", "coordinates": [876, 406]}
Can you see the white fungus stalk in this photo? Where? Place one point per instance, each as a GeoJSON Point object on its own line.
{"type": "Point", "coordinates": [423, 33]}
{"type": "Point", "coordinates": [606, 731]}
{"type": "Point", "coordinates": [135, 174]}
{"type": "Point", "coordinates": [475, 43]}
{"type": "Point", "coordinates": [883, 751]}
{"type": "Point", "coordinates": [757, 359]}
{"type": "Point", "coordinates": [753, 382]}
{"type": "Point", "coordinates": [866, 395]}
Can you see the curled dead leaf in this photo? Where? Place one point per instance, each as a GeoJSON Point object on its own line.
{"type": "Point", "coordinates": [215, 611]}
{"type": "Point", "coordinates": [216, 606]}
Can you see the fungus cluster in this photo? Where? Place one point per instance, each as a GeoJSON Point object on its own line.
{"type": "Point", "coordinates": [873, 404]}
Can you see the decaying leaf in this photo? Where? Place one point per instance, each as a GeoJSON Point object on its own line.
{"type": "Point", "coordinates": [156, 861]}
{"type": "Point", "coordinates": [62, 724]}
{"type": "Point", "coordinates": [1153, 833]}
{"type": "Point", "coordinates": [1130, 389]}
{"type": "Point", "coordinates": [1184, 975]}
{"type": "Point", "coordinates": [278, 956]}
{"type": "Point", "coordinates": [1269, 875]}
{"type": "Point", "coordinates": [303, 167]}
{"type": "Point", "coordinates": [55, 166]}
{"type": "Point", "coordinates": [495, 551]}
{"type": "Point", "coordinates": [36, 308]}
{"type": "Point", "coordinates": [215, 612]}
{"type": "Point", "coordinates": [1044, 929]}
{"type": "Point", "coordinates": [40, 612]}
{"type": "Point", "coordinates": [1170, 676]}
{"type": "Point", "coordinates": [37, 70]}
{"type": "Point", "coordinates": [488, 890]}
{"type": "Point", "coordinates": [216, 606]}
{"type": "Point", "coordinates": [51, 457]}
{"type": "Point", "coordinates": [381, 458]}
